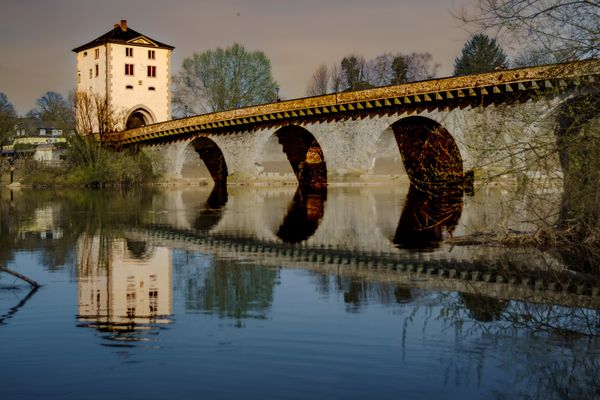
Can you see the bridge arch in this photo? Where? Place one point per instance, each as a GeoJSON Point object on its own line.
{"type": "Point", "coordinates": [578, 141]}
{"type": "Point", "coordinates": [212, 157]}
{"type": "Point", "coordinates": [429, 153]}
{"type": "Point", "coordinates": [139, 116]}
{"type": "Point", "coordinates": [305, 156]}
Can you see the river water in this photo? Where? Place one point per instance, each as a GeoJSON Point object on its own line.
{"type": "Point", "coordinates": [262, 292]}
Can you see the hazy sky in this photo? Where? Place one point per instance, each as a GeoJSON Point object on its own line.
{"type": "Point", "coordinates": [37, 36]}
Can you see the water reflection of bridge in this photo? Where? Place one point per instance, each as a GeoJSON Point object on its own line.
{"type": "Point", "coordinates": [502, 274]}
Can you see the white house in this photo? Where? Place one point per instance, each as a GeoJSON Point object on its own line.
{"type": "Point", "coordinates": [131, 70]}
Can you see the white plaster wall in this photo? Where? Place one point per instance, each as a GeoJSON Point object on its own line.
{"type": "Point", "coordinates": [156, 101]}
{"type": "Point", "coordinates": [87, 81]}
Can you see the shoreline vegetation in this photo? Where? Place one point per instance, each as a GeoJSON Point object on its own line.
{"type": "Point", "coordinates": [86, 163]}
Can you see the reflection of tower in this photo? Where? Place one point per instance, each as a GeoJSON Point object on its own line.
{"type": "Point", "coordinates": [123, 284]}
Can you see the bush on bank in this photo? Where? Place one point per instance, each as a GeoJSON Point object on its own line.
{"type": "Point", "coordinates": [87, 163]}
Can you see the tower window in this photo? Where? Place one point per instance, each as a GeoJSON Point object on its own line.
{"type": "Point", "coordinates": [128, 69]}
{"type": "Point", "coordinates": [90, 73]}
{"type": "Point", "coordinates": [97, 70]}
{"type": "Point", "coordinates": [97, 53]}
{"type": "Point", "coordinates": [152, 71]}
{"type": "Point", "coordinates": [129, 51]}
{"type": "Point", "coordinates": [151, 55]}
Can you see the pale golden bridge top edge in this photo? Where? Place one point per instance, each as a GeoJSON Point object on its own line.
{"type": "Point", "coordinates": [340, 101]}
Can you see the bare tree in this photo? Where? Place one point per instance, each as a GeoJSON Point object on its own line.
{"type": "Point", "coordinates": [420, 67]}
{"type": "Point", "coordinates": [95, 119]}
{"type": "Point", "coordinates": [319, 82]}
{"type": "Point", "coordinates": [395, 69]}
{"type": "Point", "coordinates": [53, 108]}
{"type": "Point", "coordinates": [94, 114]}
{"type": "Point", "coordinates": [336, 78]}
{"type": "Point", "coordinates": [380, 70]}
{"type": "Point", "coordinates": [354, 73]}
{"type": "Point", "coordinates": [555, 31]}
{"type": "Point", "coordinates": [568, 30]}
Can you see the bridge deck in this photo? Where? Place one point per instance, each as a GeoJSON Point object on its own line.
{"type": "Point", "coordinates": [524, 82]}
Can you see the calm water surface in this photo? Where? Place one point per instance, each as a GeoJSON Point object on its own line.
{"type": "Point", "coordinates": [273, 293]}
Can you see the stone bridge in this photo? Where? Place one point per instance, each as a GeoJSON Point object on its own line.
{"type": "Point", "coordinates": [429, 132]}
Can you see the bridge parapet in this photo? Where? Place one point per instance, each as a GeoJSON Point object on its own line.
{"type": "Point", "coordinates": [488, 88]}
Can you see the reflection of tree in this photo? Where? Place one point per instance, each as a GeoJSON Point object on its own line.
{"type": "Point", "coordinates": [358, 291]}
{"type": "Point", "coordinates": [506, 333]}
{"type": "Point", "coordinates": [483, 308]}
{"type": "Point", "coordinates": [232, 290]}
{"type": "Point", "coordinates": [304, 215]}
{"type": "Point", "coordinates": [428, 217]}
{"type": "Point", "coordinates": [33, 219]}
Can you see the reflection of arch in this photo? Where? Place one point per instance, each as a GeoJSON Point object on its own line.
{"type": "Point", "coordinates": [304, 216]}
{"type": "Point", "coordinates": [212, 212]}
{"type": "Point", "coordinates": [213, 158]}
{"type": "Point", "coordinates": [305, 156]}
{"type": "Point", "coordinates": [139, 250]}
{"type": "Point", "coordinates": [430, 154]}
{"type": "Point", "coordinates": [139, 117]}
{"type": "Point", "coordinates": [428, 217]}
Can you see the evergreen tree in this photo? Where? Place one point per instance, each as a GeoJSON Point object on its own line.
{"type": "Point", "coordinates": [480, 54]}
{"type": "Point", "coordinates": [8, 117]}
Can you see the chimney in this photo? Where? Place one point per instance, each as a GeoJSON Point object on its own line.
{"type": "Point", "coordinates": [124, 25]}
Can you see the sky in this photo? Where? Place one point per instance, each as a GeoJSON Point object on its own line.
{"type": "Point", "coordinates": [37, 36]}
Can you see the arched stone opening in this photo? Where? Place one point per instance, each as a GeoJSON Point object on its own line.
{"type": "Point", "coordinates": [138, 118]}
{"type": "Point", "coordinates": [305, 156]}
{"type": "Point", "coordinates": [139, 250]}
{"type": "Point", "coordinates": [213, 159]}
{"type": "Point", "coordinates": [430, 155]}
{"type": "Point", "coordinates": [578, 143]}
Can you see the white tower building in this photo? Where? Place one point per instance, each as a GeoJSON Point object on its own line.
{"type": "Point", "coordinates": [130, 70]}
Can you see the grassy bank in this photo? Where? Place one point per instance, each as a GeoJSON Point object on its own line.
{"type": "Point", "coordinates": [86, 164]}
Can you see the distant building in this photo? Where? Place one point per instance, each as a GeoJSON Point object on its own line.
{"type": "Point", "coordinates": [129, 69]}
{"type": "Point", "coordinates": [31, 135]}
{"type": "Point", "coordinates": [48, 153]}
{"type": "Point", "coordinates": [32, 127]}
